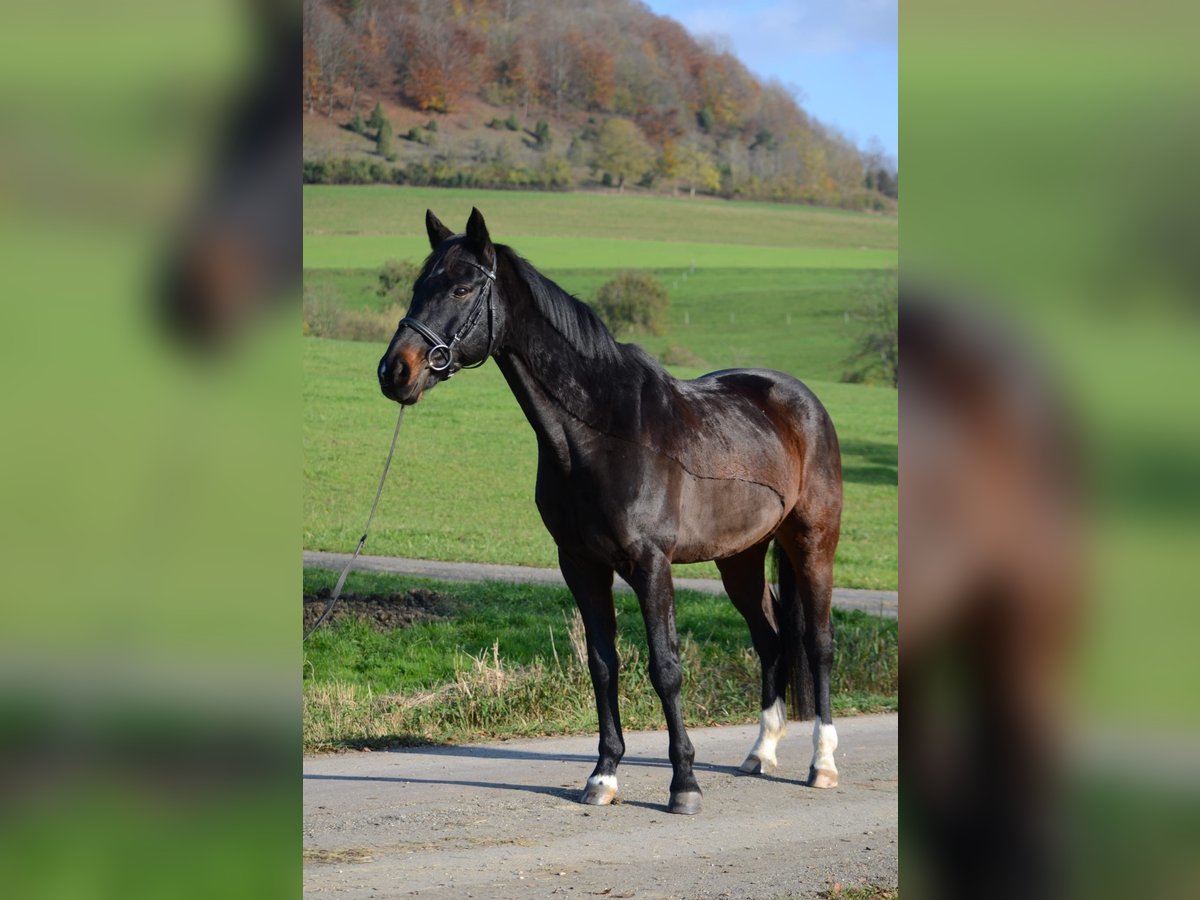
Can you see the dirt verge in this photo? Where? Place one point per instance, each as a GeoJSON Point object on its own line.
{"type": "Point", "coordinates": [381, 612]}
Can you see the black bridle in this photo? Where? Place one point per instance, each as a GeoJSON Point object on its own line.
{"type": "Point", "coordinates": [441, 354]}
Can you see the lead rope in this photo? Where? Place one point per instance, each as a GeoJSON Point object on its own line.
{"type": "Point", "coordinates": [337, 590]}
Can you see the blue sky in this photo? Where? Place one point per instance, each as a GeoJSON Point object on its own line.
{"type": "Point", "coordinates": [837, 56]}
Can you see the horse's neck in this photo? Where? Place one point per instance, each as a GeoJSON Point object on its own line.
{"type": "Point", "coordinates": [557, 387]}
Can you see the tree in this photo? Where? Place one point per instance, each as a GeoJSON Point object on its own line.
{"type": "Point", "coordinates": [696, 169]}
{"type": "Point", "coordinates": [358, 126]}
{"type": "Point", "coordinates": [383, 143]}
{"type": "Point", "coordinates": [876, 357]}
{"type": "Point", "coordinates": [376, 121]}
{"type": "Point", "coordinates": [440, 60]}
{"type": "Point", "coordinates": [622, 152]}
{"type": "Point", "coordinates": [325, 36]}
{"type": "Point", "coordinates": [885, 183]}
{"type": "Point", "coordinates": [633, 301]}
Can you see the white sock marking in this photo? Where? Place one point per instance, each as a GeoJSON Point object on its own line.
{"type": "Point", "coordinates": [608, 781]}
{"type": "Point", "coordinates": [772, 726]}
{"type": "Point", "coordinates": [825, 741]}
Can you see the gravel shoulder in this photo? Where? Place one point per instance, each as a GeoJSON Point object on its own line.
{"type": "Point", "coordinates": [501, 820]}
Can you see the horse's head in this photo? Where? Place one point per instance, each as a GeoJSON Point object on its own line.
{"type": "Point", "coordinates": [453, 320]}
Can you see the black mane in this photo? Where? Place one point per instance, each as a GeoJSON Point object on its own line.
{"type": "Point", "coordinates": [573, 319]}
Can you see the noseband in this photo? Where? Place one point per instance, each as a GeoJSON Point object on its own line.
{"type": "Point", "coordinates": [441, 354]}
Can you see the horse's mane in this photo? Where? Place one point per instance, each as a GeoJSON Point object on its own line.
{"type": "Point", "coordinates": [573, 319]}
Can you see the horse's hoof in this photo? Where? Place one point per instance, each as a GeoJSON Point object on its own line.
{"type": "Point", "coordinates": [684, 803]}
{"type": "Point", "coordinates": [822, 778]}
{"type": "Point", "coordinates": [755, 766]}
{"type": "Point", "coordinates": [600, 791]}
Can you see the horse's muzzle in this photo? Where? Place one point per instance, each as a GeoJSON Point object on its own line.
{"type": "Point", "coordinates": [404, 378]}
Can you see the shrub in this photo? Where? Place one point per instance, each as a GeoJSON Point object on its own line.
{"type": "Point", "coordinates": [541, 134]}
{"type": "Point", "coordinates": [396, 280]}
{"type": "Point", "coordinates": [633, 301]}
{"type": "Point", "coordinates": [351, 171]}
{"type": "Point", "coordinates": [376, 121]}
{"type": "Point", "coordinates": [675, 355]}
{"type": "Point", "coordinates": [414, 134]}
{"type": "Point", "coordinates": [551, 172]}
{"type": "Point", "coordinates": [325, 317]}
{"type": "Point", "coordinates": [876, 356]}
{"type": "Point", "coordinates": [316, 172]}
{"type": "Point", "coordinates": [383, 143]}
{"type": "Point", "coordinates": [512, 124]}
{"type": "Point", "coordinates": [555, 173]}
{"type": "Point", "coordinates": [431, 125]}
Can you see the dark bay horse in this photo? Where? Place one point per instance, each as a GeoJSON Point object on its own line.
{"type": "Point", "coordinates": [638, 470]}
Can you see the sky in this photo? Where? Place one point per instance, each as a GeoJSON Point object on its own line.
{"type": "Point", "coordinates": [838, 57]}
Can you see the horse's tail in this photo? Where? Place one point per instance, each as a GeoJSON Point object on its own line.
{"type": "Point", "coordinates": [794, 637]}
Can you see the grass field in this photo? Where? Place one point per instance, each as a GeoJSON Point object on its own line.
{"type": "Point", "coordinates": [506, 660]}
{"type": "Point", "coordinates": [751, 284]}
{"type": "Point", "coordinates": [330, 251]}
{"type": "Point", "coordinates": [384, 210]}
{"type": "Point", "coordinates": [797, 322]}
{"type": "Point", "coordinates": [467, 462]}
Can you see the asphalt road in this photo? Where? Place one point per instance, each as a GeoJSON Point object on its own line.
{"type": "Point", "coordinates": [880, 603]}
{"type": "Point", "coordinates": [502, 820]}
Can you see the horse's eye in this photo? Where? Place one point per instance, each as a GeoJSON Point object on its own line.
{"type": "Point", "coordinates": [461, 290]}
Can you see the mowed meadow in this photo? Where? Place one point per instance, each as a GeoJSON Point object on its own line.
{"type": "Point", "coordinates": [750, 284]}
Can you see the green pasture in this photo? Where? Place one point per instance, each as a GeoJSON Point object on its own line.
{"type": "Point", "coordinates": [462, 481]}
{"type": "Point", "coordinates": [798, 322]}
{"type": "Point", "coordinates": [503, 660]}
{"type": "Point", "coordinates": [513, 215]}
{"type": "Point", "coordinates": [751, 284]}
{"type": "Point", "coordinates": [328, 251]}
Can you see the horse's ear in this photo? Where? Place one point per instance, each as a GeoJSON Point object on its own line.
{"type": "Point", "coordinates": [478, 240]}
{"type": "Point", "coordinates": [437, 231]}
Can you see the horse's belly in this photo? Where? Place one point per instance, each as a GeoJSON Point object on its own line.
{"type": "Point", "coordinates": [719, 517]}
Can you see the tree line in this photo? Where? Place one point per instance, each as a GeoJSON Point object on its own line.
{"type": "Point", "coordinates": [668, 106]}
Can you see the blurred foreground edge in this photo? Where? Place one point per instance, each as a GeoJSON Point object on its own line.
{"type": "Point", "coordinates": [238, 251]}
{"type": "Point", "coordinates": [990, 574]}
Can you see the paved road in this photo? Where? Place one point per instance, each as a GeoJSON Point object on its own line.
{"type": "Point", "coordinates": [880, 603]}
{"type": "Point", "coordinates": [501, 820]}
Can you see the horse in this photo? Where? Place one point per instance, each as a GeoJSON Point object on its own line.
{"type": "Point", "coordinates": [638, 470]}
{"type": "Point", "coordinates": [993, 579]}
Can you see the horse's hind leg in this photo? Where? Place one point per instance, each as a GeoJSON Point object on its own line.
{"type": "Point", "coordinates": [745, 581]}
{"type": "Point", "coordinates": [591, 584]}
{"type": "Point", "coordinates": [810, 550]}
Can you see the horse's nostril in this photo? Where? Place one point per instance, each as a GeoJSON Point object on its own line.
{"type": "Point", "coordinates": [395, 372]}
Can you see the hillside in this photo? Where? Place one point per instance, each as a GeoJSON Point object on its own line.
{"type": "Point", "coordinates": [533, 93]}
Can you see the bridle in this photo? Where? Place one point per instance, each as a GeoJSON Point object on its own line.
{"type": "Point", "coordinates": [441, 354]}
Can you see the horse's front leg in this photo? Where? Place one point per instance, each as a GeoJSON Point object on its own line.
{"type": "Point", "coordinates": [651, 581]}
{"type": "Point", "coordinates": [591, 584]}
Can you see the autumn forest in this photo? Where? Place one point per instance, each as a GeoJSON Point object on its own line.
{"type": "Point", "coordinates": [560, 95]}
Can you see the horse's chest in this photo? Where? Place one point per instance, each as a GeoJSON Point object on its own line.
{"type": "Point", "coordinates": [610, 501]}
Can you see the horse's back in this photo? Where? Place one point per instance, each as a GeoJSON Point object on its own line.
{"type": "Point", "coordinates": [760, 425]}
{"type": "Point", "coordinates": [789, 402]}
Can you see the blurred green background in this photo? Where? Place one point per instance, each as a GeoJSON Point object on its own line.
{"type": "Point", "coordinates": [149, 710]}
{"type": "Point", "coordinates": [1049, 155]}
